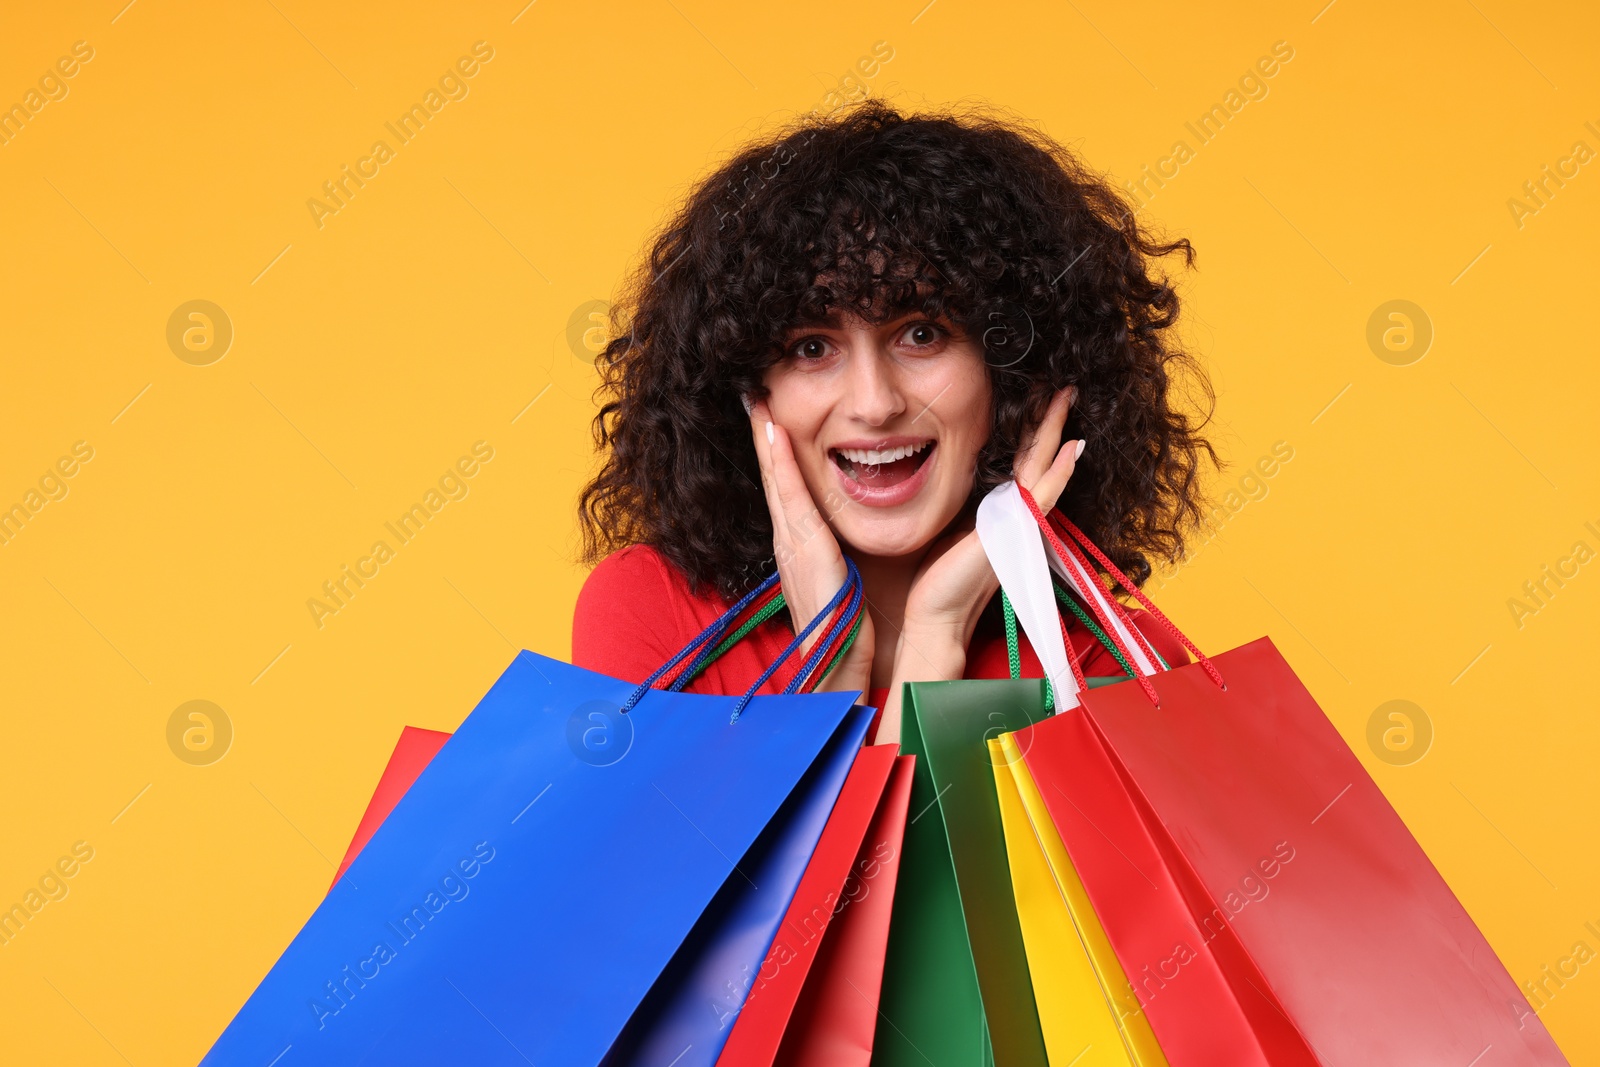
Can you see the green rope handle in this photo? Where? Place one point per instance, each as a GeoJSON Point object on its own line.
{"type": "Point", "coordinates": [1013, 649]}
{"type": "Point", "coordinates": [1093, 627]}
{"type": "Point", "coordinates": [1014, 653]}
{"type": "Point", "coordinates": [849, 640]}
{"type": "Point", "coordinates": [776, 605]}
{"type": "Point", "coordinates": [1084, 617]}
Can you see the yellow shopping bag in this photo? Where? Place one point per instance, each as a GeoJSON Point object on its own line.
{"type": "Point", "coordinates": [1087, 1008]}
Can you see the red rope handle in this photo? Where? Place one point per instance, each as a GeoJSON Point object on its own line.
{"type": "Point", "coordinates": [1126, 583]}
{"type": "Point", "coordinates": [1089, 572]}
{"type": "Point", "coordinates": [756, 607]}
{"type": "Point", "coordinates": [1072, 657]}
{"type": "Point", "coordinates": [811, 683]}
{"type": "Point", "coordinates": [1069, 554]}
{"type": "Point", "coordinates": [668, 679]}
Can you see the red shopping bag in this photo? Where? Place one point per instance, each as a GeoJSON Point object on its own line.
{"type": "Point", "coordinates": [412, 753]}
{"type": "Point", "coordinates": [1267, 903]}
{"type": "Point", "coordinates": [759, 1027]}
{"type": "Point", "coordinates": [837, 1015]}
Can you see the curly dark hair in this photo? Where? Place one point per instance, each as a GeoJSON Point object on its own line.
{"type": "Point", "coordinates": [966, 216]}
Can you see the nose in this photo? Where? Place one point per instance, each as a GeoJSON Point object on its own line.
{"type": "Point", "coordinates": [876, 394]}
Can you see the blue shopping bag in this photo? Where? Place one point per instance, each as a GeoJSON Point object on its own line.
{"type": "Point", "coordinates": [689, 1013]}
{"type": "Point", "coordinates": [530, 888]}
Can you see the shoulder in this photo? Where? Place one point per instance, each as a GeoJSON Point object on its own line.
{"type": "Point", "coordinates": [626, 621]}
{"type": "Point", "coordinates": [640, 569]}
{"type": "Point", "coordinates": [635, 610]}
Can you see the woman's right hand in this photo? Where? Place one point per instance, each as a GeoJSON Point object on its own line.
{"type": "Point", "coordinates": [811, 566]}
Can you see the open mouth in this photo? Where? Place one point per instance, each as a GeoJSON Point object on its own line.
{"type": "Point", "coordinates": [878, 469]}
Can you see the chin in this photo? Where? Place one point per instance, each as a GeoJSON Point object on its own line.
{"type": "Point", "coordinates": [887, 538]}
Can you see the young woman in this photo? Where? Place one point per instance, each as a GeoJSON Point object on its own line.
{"type": "Point", "coordinates": [845, 337]}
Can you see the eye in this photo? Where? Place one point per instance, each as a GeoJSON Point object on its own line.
{"type": "Point", "coordinates": [923, 334]}
{"type": "Point", "coordinates": [809, 349]}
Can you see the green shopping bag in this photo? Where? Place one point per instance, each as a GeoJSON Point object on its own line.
{"type": "Point", "coordinates": [955, 985]}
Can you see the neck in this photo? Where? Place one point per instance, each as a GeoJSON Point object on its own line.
{"type": "Point", "coordinates": [886, 583]}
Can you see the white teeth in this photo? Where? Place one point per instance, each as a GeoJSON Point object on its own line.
{"type": "Point", "coordinates": [876, 457]}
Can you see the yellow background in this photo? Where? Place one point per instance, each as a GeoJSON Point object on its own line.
{"type": "Point", "coordinates": [427, 314]}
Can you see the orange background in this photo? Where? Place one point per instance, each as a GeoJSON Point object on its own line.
{"type": "Point", "coordinates": [433, 310]}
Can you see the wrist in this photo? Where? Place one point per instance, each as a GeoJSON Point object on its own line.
{"type": "Point", "coordinates": [930, 653]}
{"type": "Point", "coordinates": [823, 619]}
{"type": "Point", "coordinates": [951, 619]}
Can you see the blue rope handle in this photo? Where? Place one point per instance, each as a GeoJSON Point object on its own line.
{"type": "Point", "coordinates": [846, 619]}
{"type": "Point", "coordinates": [705, 644]}
{"type": "Point", "coordinates": [850, 588]}
{"type": "Point", "coordinates": [709, 650]}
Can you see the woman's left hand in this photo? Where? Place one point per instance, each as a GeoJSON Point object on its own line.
{"type": "Point", "coordinates": [955, 581]}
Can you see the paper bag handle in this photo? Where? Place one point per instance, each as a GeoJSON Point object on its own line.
{"type": "Point", "coordinates": [1061, 549]}
{"type": "Point", "coordinates": [843, 613]}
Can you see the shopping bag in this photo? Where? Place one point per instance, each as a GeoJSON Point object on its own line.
{"type": "Point", "coordinates": [951, 723]}
{"type": "Point", "coordinates": [686, 1017]}
{"type": "Point", "coordinates": [411, 754]}
{"type": "Point", "coordinates": [819, 893]}
{"type": "Point", "coordinates": [1087, 1009]}
{"type": "Point", "coordinates": [688, 1014]}
{"type": "Point", "coordinates": [1264, 899]}
{"type": "Point", "coordinates": [834, 1021]}
{"type": "Point", "coordinates": [807, 917]}
{"type": "Point", "coordinates": [528, 889]}
{"type": "Point", "coordinates": [956, 988]}
{"type": "Point", "coordinates": [757, 1029]}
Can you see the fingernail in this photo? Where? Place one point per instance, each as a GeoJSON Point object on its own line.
{"type": "Point", "coordinates": [769, 433]}
{"type": "Point", "coordinates": [1079, 452]}
{"type": "Point", "coordinates": [748, 407]}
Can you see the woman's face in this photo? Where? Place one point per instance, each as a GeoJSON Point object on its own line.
{"type": "Point", "coordinates": [886, 423]}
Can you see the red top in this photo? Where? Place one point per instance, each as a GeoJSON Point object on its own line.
{"type": "Point", "coordinates": [635, 612]}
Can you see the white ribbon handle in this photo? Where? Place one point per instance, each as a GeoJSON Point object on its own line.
{"type": "Point", "coordinates": [1016, 551]}
{"type": "Point", "coordinates": [1022, 559]}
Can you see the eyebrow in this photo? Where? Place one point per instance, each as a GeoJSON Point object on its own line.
{"type": "Point", "coordinates": [833, 320]}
